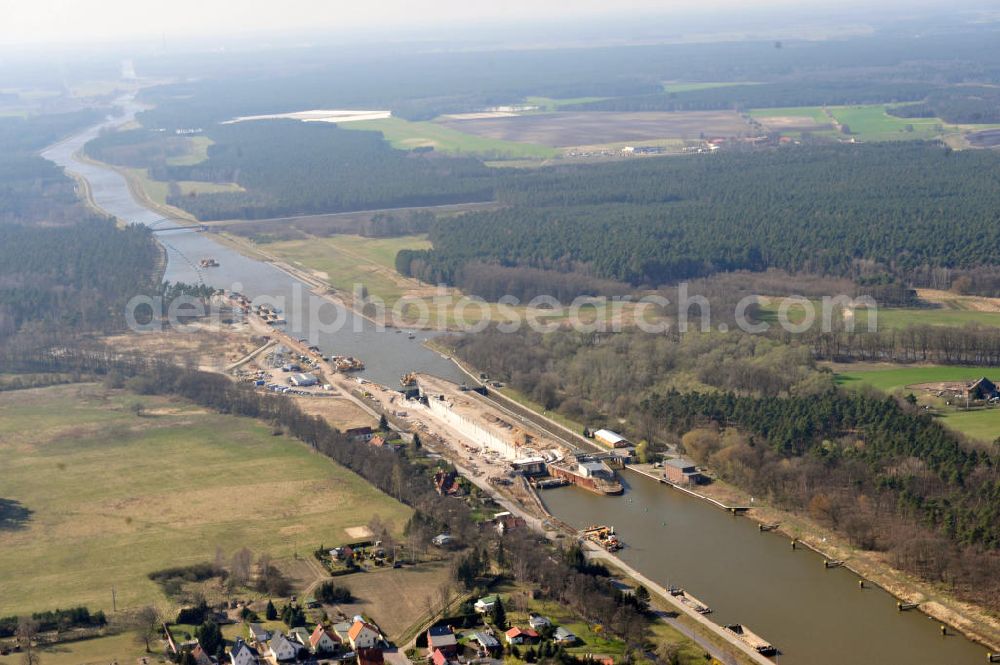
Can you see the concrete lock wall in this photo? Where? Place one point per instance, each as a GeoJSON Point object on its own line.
{"type": "Point", "coordinates": [474, 431]}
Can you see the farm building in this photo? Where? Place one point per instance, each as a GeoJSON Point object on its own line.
{"type": "Point", "coordinates": [981, 389]}
{"type": "Point", "coordinates": [611, 439]}
{"type": "Point", "coordinates": [682, 471]}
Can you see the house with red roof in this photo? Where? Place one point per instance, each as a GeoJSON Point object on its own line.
{"type": "Point", "coordinates": [521, 636]}
{"type": "Point", "coordinates": [323, 641]}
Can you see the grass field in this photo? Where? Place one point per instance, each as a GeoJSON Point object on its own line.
{"type": "Point", "coordinates": [407, 135]}
{"type": "Point", "coordinates": [98, 651]}
{"type": "Point", "coordinates": [889, 318]}
{"type": "Point", "coordinates": [345, 260]}
{"type": "Point", "coordinates": [868, 122]}
{"type": "Point", "coordinates": [197, 152]}
{"type": "Point", "coordinates": [982, 424]}
{"type": "Point", "coordinates": [158, 190]}
{"type": "Point", "coordinates": [115, 495]}
{"type": "Point", "coordinates": [872, 123]}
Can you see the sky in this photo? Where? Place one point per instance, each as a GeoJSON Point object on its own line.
{"type": "Point", "coordinates": [96, 21]}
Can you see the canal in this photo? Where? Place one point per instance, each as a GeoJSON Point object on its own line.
{"type": "Point", "coordinates": [387, 354]}
{"type": "Point", "coordinates": [815, 616]}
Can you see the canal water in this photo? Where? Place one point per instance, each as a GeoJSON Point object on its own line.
{"type": "Point", "coordinates": [387, 354]}
{"type": "Point", "coordinates": [813, 615]}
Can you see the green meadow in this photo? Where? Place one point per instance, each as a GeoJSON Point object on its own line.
{"type": "Point", "coordinates": [981, 423]}
{"type": "Point", "coordinates": [116, 492]}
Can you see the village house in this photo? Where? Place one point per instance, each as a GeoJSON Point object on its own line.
{"type": "Point", "coordinates": [486, 603]}
{"type": "Point", "coordinates": [283, 649]}
{"type": "Point", "coordinates": [243, 654]}
{"type": "Point", "coordinates": [300, 635]}
{"type": "Point", "coordinates": [200, 656]}
{"type": "Point", "coordinates": [446, 483]}
{"type": "Point", "coordinates": [360, 434]}
{"type": "Point", "coordinates": [323, 641]}
{"type": "Point", "coordinates": [538, 622]}
{"type": "Point", "coordinates": [441, 638]}
{"type": "Point", "coordinates": [342, 630]}
{"type": "Point", "coordinates": [518, 635]}
{"type": "Point", "coordinates": [488, 645]}
{"type": "Point", "coordinates": [563, 637]}
{"type": "Point", "coordinates": [438, 657]}
{"type": "Point", "coordinates": [259, 635]}
{"type": "Point", "coordinates": [363, 635]}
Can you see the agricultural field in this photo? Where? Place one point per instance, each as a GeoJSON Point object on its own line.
{"type": "Point", "coordinates": [567, 129]}
{"type": "Point", "coordinates": [116, 491]}
{"type": "Point", "coordinates": [443, 137]}
{"type": "Point", "coordinates": [982, 424]}
{"type": "Point", "coordinates": [868, 122]}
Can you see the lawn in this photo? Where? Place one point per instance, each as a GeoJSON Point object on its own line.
{"type": "Point", "coordinates": [407, 135]}
{"type": "Point", "coordinates": [982, 424]}
{"type": "Point", "coordinates": [115, 495]}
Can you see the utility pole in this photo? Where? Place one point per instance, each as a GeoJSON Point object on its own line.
{"type": "Point", "coordinates": [114, 600]}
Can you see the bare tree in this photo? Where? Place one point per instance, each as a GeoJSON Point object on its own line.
{"type": "Point", "coordinates": [146, 622]}
{"type": "Point", "coordinates": [27, 631]}
{"type": "Point", "coordinates": [239, 573]}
